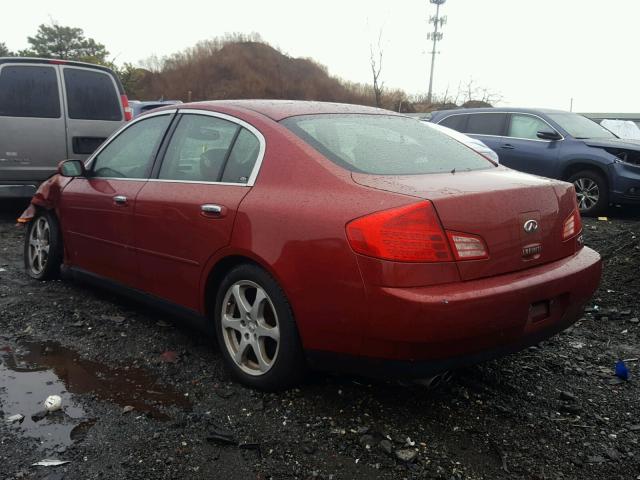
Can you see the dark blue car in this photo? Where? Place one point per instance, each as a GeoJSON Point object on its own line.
{"type": "Point", "coordinates": [552, 143]}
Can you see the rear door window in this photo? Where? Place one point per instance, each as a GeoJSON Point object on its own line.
{"type": "Point", "coordinates": [91, 95]}
{"type": "Point", "coordinates": [199, 149]}
{"type": "Point", "coordinates": [385, 145]}
{"type": "Point", "coordinates": [130, 154]}
{"type": "Point", "coordinates": [29, 91]}
{"type": "Point", "coordinates": [486, 124]}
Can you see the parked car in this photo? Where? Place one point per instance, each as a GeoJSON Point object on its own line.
{"type": "Point", "coordinates": [139, 107]}
{"type": "Point", "coordinates": [603, 168]}
{"type": "Point", "coordinates": [307, 233]}
{"type": "Point", "coordinates": [51, 110]}
{"type": "Point", "coordinates": [473, 143]}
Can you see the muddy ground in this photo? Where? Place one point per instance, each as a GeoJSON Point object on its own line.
{"type": "Point", "coordinates": [550, 412]}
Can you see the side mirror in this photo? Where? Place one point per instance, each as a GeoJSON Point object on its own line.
{"type": "Point", "coordinates": [549, 135]}
{"type": "Point", "coordinates": [71, 168]}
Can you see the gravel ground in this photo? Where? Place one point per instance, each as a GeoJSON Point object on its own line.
{"type": "Point", "coordinates": [147, 398]}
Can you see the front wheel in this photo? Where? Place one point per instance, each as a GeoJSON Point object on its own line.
{"type": "Point", "coordinates": [256, 331]}
{"type": "Point", "coordinates": [592, 192]}
{"type": "Point", "coordinates": [43, 247]}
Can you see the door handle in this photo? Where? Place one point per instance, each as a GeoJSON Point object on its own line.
{"type": "Point", "coordinates": [120, 200]}
{"type": "Point", "coordinates": [507, 146]}
{"type": "Point", "coordinates": [213, 210]}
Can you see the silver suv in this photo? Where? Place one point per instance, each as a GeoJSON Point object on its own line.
{"type": "Point", "coordinates": [51, 110]}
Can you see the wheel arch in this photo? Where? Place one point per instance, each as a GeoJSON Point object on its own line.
{"type": "Point", "coordinates": [580, 165]}
{"type": "Point", "coordinates": [217, 270]}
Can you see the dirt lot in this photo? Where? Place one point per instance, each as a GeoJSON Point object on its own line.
{"type": "Point", "coordinates": [551, 412]}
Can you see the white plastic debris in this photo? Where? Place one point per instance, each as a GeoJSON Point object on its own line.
{"type": "Point", "coordinates": [622, 128]}
{"type": "Point", "coordinates": [53, 403]}
{"type": "Point", "coordinates": [15, 418]}
{"type": "Point", "coordinates": [49, 462]}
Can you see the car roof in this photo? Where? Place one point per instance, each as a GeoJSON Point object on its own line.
{"type": "Point", "coordinates": [280, 109]}
{"type": "Point", "coordinates": [497, 110]}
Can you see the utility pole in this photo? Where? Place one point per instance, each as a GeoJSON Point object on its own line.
{"type": "Point", "coordinates": [435, 36]}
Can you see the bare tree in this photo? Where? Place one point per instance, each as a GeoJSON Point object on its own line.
{"type": "Point", "coordinates": [471, 93]}
{"type": "Point", "coordinates": [376, 68]}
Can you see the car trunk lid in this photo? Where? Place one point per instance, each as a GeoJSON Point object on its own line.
{"type": "Point", "coordinates": [495, 204]}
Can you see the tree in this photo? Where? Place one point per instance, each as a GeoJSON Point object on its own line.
{"type": "Point", "coordinates": [376, 68]}
{"type": "Point", "coordinates": [67, 43]}
{"type": "Point", "coordinates": [4, 51]}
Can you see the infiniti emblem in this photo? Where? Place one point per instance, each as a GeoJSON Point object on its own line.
{"type": "Point", "coordinates": [530, 226]}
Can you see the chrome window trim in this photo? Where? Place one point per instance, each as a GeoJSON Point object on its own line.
{"type": "Point", "coordinates": [116, 134]}
{"type": "Point", "coordinates": [193, 111]}
{"type": "Point", "coordinates": [507, 136]}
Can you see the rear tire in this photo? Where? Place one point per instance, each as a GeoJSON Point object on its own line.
{"type": "Point", "coordinates": [43, 247]}
{"type": "Point", "coordinates": [256, 331]}
{"type": "Point", "coordinates": [592, 192]}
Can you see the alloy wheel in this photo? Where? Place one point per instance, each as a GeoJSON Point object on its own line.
{"type": "Point", "coordinates": [39, 244]}
{"type": "Point", "coordinates": [250, 327]}
{"type": "Point", "coordinates": [587, 192]}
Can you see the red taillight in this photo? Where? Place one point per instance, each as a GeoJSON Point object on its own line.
{"type": "Point", "coordinates": [128, 111]}
{"type": "Point", "coordinates": [572, 225]}
{"type": "Point", "coordinates": [406, 234]}
{"type": "Point", "coordinates": [57, 61]}
{"type": "Point", "coordinates": [467, 246]}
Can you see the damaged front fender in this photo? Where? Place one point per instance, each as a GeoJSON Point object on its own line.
{"type": "Point", "coordinates": [47, 196]}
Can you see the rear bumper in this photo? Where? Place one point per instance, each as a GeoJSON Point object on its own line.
{"type": "Point", "coordinates": [17, 190]}
{"type": "Point", "coordinates": [420, 331]}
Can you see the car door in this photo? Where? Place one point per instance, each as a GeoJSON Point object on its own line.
{"type": "Point", "coordinates": [94, 109]}
{"type": "Point", "coordinates": [522, 150]}
{"type": "Point", "coordinates": [30, 101]}
{"type": "Point", "coordinates": [97, 211]}
{"type": "Point", "coordinates": [186, 213]}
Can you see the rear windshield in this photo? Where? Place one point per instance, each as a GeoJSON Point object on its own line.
{"type": "Point", "coordinates": [384, 145]}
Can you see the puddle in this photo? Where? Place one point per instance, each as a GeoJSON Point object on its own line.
{"type": "Point", "coordinates": [31, 371]}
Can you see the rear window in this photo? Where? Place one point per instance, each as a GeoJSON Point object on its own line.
{"type": "Point", "coordinates": [29, 91]}
{"type": "Point", "coordinates": [91, 95]}
{"type": "Point", "coordinates": [384, 145]}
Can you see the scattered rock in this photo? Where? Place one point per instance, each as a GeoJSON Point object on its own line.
{"type": "Point", "coordinates": [118, 319]}
{"type": "Point", "coordinates": [36, 417]}
{"type": "Point", "coordinates": [595, 459]}
{"type": "Point", "coordinates": [386, 446]}
{"type": "Point", "coordinates": [569, 408]}
{"type": "Point", "coordinates": [406, 455]}
{"type": "Point", "coordinates": [367, 441]}
{"type": "Point", "coordinates": [222, 437]}
{"type": "Point", "coordinates": [568, 396]}
{"type": "Point", "coordinates": [127, 409]}
{"type": "Point", "coordinates": [170, 356]}
{"type": "Point", "coordinates": [612, 454]}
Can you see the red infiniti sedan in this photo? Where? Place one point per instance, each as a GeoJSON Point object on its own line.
{"type": "Point", "coordinates": [324, 235]}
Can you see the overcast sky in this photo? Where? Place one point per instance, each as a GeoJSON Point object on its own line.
{"type": "Point", "coordinates": [532, 52]}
